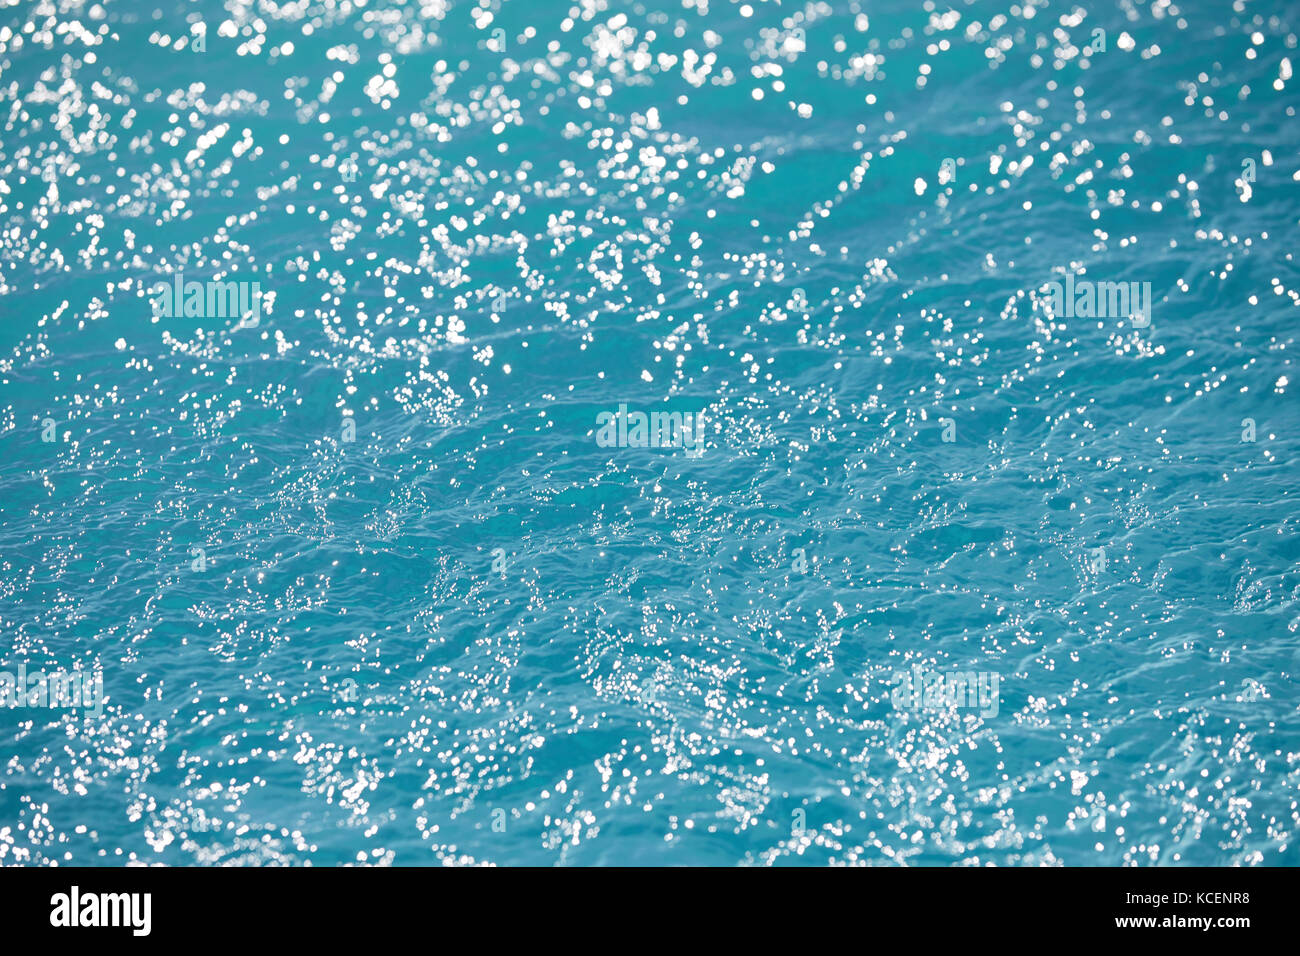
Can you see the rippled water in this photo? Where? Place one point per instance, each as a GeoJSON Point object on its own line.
{"type": "Point", "coordinates": [362, 583]}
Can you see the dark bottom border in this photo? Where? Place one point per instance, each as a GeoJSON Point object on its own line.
{"type": "Point", "coordinates": [262, 907]}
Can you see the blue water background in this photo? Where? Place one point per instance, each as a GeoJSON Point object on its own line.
{"type": "Point", "coordinates": [585, 218]}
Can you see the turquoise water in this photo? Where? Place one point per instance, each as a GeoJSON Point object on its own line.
{"type": "Point", "coordinates": [363, 585]}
